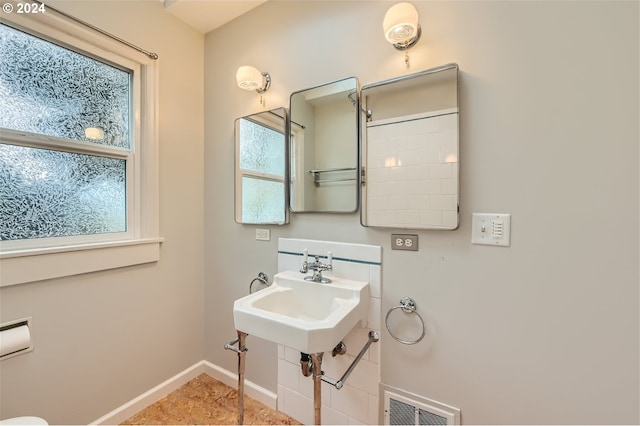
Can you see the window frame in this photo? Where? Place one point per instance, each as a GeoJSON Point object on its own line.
{"type": "Point", "coordinates": [31, 260]}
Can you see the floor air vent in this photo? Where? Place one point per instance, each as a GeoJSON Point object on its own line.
{"type": "Point", "coordinates": [403, 408]}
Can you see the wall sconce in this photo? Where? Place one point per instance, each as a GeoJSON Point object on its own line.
{"type": "Point", "coordinates": [401, 27]}
{"type": "Point", "coordinates": [250, 78]}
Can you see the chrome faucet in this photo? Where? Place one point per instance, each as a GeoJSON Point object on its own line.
{"type": "Point", "coordinates": [317, 267]}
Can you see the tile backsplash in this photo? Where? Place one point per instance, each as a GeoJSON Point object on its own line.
{"type": "Point", "coordinates": [357, 402]}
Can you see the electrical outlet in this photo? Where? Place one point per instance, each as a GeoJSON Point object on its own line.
{"type": "Point", "coordinates": [404, 242]}
{"type": "Point", "coordinates": [263, 234]}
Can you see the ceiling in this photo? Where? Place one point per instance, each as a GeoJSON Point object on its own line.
{"type": "Point", "coordinates": [207, 15]}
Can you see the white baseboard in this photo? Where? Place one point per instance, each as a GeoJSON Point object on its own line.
{"type": "Point", "coordinates": [142, 401]}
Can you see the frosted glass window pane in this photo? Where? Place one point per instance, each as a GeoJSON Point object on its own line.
{"type": "Point", "coordinates": [261, 148]}
{"type": "Point", "coordinates": [47, 89]}
{"type": "Point", "coordinates": [262, 201]}
{"type": "Point", "coordinates": [47, 193]}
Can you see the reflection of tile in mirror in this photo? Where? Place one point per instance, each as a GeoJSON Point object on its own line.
{"type": "Point", "coordinates": [412, 171]}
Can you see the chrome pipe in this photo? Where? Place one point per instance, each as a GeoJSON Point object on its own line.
{"type": "Point", "coordinates": [306, 364]}
{"type": "Point", "coordinates": [316, 360]}
{"type": "Point", "coordinates": [242, 350]}
{"type": "Point", "coordinates": [229, 346]}
{"type": "Point", "coordinates": [100, 30]}
{"type": "Point", "coordinates": [374, 336]}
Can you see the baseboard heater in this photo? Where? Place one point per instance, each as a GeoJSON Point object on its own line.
{"type": "Point", "coordinates": [404, 408]}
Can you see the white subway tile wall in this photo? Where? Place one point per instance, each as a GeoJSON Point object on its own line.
{"type": "Point", "coordinates": [357, 402]}
{"type": "Point", "coordinates": [411, 171]}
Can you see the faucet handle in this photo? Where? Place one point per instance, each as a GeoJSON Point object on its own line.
{"type": "Point", "coordinates": [305, 265]}
{"type": "Point", "coordinates": [325, 266]}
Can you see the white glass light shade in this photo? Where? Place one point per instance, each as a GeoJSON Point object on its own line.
{"type": "Point", "coordinates": [401, 23]}
{"type": "Point", "coordinates": [249, 78]}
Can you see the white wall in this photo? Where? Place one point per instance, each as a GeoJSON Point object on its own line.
{"type": "Point", "coordinates": [335, 131]}
{"type": "Point", "coordinates": [545, 331]}
{"type": "Point", "coordinates": [102, 339]}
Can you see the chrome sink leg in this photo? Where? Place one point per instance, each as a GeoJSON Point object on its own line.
{"type": "Point", "coordinates": [242, 350]}
{"type": "Point", "coordinates": [316, 360]}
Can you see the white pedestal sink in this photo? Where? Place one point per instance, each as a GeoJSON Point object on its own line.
{"type": "Point", "coordinates": [306, 316]}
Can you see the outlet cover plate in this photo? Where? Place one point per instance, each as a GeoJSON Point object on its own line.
{"type": "Point", "coordinates": [263, 234]}
{"type": "Point", "coordinates": [404, 242]}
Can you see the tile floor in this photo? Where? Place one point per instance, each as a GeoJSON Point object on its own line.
{"type": "Point", "coordinates": [206, 401]}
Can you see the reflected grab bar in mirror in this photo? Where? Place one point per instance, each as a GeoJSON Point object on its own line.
{"type": "Point", "coordinates": [332, 180]}
{"type": "Point", "coordinates": [317, 172]}
{"type": "Point", "coordinates": [345, 169]}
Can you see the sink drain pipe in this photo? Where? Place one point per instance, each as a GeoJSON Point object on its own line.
{"type": "Point", "coordinates": [241, 350]}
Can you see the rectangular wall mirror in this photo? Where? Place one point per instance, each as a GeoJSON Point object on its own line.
{"type": "Point", "coordinates": [410, 151]}
{"type": "Point", "coordinates": [323, 148]}
{"type": "Point", "coordinates": [260, 185]}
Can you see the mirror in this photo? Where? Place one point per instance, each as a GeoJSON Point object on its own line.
{"type": "Point", "coordinates": [260, 168]}
{"type": "Point", "coordinates": [323, 148]}
{"type": "Point", "coordinates": [410, 151]}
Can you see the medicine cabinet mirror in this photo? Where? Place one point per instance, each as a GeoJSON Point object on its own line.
{"type": "Point", "coordinates": [260, 184]}
{"type": "Point", "coordinates": [410, 150]}
{"type": "Point", "coordinates": [323, 148]}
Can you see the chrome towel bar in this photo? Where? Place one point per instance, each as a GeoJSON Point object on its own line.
{"type": "Point", "coordinates": [374, 336]}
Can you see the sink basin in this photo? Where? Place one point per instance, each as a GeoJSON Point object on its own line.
{"type": "Point", "coordinates": [303, 315]}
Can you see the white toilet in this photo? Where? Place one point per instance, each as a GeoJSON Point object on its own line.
{"type": "Point", "coordinates": [27, 420]}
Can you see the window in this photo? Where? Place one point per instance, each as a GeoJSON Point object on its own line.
{"type": "Point", "coordinates": [76, 173]}
{"type": "Point", "coordinates": [56, 190]}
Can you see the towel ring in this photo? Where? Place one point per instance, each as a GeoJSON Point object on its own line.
{"type": "Point", "coordinates": [262, 277]}
{"type": "Point", "coordinates": [408, 306]}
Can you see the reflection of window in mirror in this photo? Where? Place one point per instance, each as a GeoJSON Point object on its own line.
{"type": "Point", "coordinates": [260, 177]}
{"type": "Point", "coordinates": [296, 173]}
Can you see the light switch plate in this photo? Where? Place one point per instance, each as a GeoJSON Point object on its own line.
{"type": "Point", "coordinates": [491, 229]}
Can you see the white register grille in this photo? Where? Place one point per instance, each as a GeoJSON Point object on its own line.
{"type": "Point", "coordinates": [411, 409]}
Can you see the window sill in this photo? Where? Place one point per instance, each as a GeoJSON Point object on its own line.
{"type": "Point", "coordinates": [29, 265]}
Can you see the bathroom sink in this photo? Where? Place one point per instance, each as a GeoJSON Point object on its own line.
{"type": "Point", "coordinates": [303, 315]}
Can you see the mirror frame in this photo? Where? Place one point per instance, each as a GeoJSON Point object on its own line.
{"type": "Point", "coordinates": [283, 114]}
{"type": "Point", "coordinates": [398, 101]}
{"type": "Point", "coordinates": [356, 142]}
